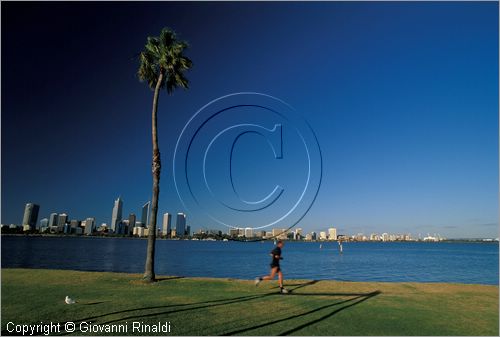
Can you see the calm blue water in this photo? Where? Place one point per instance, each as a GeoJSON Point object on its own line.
{"type": "Point", "coordinates": [388, 262]}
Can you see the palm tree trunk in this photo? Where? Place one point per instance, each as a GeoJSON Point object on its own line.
{"type": "Point", "coordinates": [149, 273]}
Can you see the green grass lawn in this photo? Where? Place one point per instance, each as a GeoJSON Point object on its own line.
{"type": "Point", "coordinates": [199, 306]}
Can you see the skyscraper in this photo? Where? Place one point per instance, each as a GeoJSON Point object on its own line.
{"type": "Point", "coordinates": [131, 223]}
{"type": "Point", "coordinates": [123, 227]}
{"type": "Point", "coordinates": [73, 225]}
{"type": "Point", "coordinates": [44, 223]}
{"type": "Point", "coordinates": [167, 219]}
{"type": "Point", "coordinates": [61, 221]}
{"type": "Point", "coordinates": [53, 219]}
{"type": "Point", "coordinates": [30, 215]}
{"type": "Point", "coordinates": [180, 226]}
{"type": "Point", "coordinates": [117, 214]}
{"type": "Point", "coordinates": [89, 226]}
{"type": "Point", "coordinates": [145, 214]}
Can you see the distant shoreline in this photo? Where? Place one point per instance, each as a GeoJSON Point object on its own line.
{"type": "Point", "coordinates": [486, 241]}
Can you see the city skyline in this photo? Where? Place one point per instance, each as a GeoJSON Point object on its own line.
{"type": "Point", "coordinates": [164, 228]}
{"type": "Point", "coordinates": [122, 227]}
{"type": "Point", "coordinates": [405, 109]}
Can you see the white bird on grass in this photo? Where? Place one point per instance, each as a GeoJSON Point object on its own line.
{"type": "Point", "coordinates": [69, 300]}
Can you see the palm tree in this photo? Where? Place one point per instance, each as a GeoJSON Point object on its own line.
{"type": "Point", "coordinates": [162, 65]}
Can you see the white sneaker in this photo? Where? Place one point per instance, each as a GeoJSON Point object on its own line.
{"type": "Point", "coordinates": [283, 291]}
{"type": "Point", "coordinates": [257, 281]}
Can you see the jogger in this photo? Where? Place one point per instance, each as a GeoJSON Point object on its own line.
{"type": "Point", "coordinates": [275, 268]}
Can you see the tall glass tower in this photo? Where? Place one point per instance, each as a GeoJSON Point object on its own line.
{"type": "Point", "coordinates": [53, 219]}
{"type": "Point", "coordinates": [131, 223]}
{"type": "Point", "coordinates": [167, 218]}
{"type": "Point", "coordinates": [89, 225]}
{"type": "Point", "coordinates": [31, 215]}
{"type": "Point", "coordinates": [116, 217]}
{"type": "Point", "coordinates": [180, 226]}
{"type": "Point", "coordinates": [145, 214]}
{"type": "Point", "coordinates": [61, 221]}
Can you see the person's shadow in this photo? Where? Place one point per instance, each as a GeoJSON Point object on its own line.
{"type": "Point", "coordinates": [357, 298]}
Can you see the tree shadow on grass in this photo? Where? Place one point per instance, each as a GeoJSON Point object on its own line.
{"type": "Point", "coordinates": [234, 299]}
{"type": "Point", "coordinates": [191, 306]}
{"type": "Point", "coordinates": [194, 306]}
{"type": "Point", "coordinates": [358, 299]}
{"type": "Point", "coordinates": [229, 300]}
{"type": "Point", "coordinates": [302, 326]}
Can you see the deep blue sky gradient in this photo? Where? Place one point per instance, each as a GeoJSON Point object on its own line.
{"type": "Point", "coordinates": [403, 98]}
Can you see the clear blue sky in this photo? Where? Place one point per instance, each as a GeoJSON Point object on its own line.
{"type": "Point", "coordinates": [403, 98]}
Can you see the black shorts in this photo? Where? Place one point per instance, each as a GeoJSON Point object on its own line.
{"type": "Point", "coordinates": [276, 266]}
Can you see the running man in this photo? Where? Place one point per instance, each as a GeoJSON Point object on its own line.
{"type": "Point", "coordinates": [275, 268]}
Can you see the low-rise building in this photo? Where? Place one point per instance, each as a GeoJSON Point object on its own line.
{"type": "Point", "coordinates": [332, 233]}
{"type": "Point", "coordinates": [248, 232]}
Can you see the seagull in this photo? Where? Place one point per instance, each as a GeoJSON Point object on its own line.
{"type": "Point", "coordinates": [69, 300]}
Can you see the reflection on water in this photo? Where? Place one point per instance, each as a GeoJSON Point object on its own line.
{"type": "Point", "coordinates": [390, 262]}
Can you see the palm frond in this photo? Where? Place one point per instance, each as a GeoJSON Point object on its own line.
{"type": "Point", "coordinates": [167, 37]}
{"type": "Point", "coordinates": [175, 81]}
{"type": "Point", "coordinates": [164, 54]}
{"type": "Point", "coordinates": [148, 71]}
